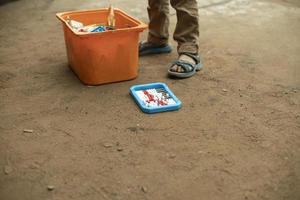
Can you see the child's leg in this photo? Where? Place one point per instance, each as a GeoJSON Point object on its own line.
{"type": "Point", "coordinates": [187, 28]}
{"type": "Point", "coordinates": [158, 11]}
{"type": "Point", "coordinates": [186, 35]}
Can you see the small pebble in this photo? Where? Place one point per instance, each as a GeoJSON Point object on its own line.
{"type": "Point", "coordinates": [50, 187]}
{"type": "Point", "coordinates": [119, 149]}
{"type": "Point", "coordinates": [224, 90]}
{"type": "Point", "coordinates": [27, 131]}
{"type": "Point", "coordinates": [8, 169]}
{"type": "Point", "coordinates": [107, 145]}
{"type": "Point", "coordinates": [144, 189]}
{"type": "Point", "coordinates": [172, 156]}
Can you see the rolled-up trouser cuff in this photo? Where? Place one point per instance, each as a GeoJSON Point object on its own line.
{"type": "Point", "coordinates": [188, 48]}
{"type": "Point", "coordinates": [156, 40]}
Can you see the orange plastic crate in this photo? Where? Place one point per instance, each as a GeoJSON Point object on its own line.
{"type": "Point", "coordinates": [103, 57]}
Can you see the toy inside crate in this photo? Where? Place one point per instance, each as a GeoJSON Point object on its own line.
{"type": "Point", "coordinates": [155, 97]}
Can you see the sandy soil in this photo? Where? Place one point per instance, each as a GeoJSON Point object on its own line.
{"type": "Point", "coordinates": [237, 135]}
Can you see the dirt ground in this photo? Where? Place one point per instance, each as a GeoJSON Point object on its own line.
{"type": "Point", "coordinates": [236, 137]}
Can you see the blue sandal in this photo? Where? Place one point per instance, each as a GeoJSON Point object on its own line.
{"type": "Point", "coordinates": [146, 48]}
{"type": "Point", "coordinates": [189, 68]}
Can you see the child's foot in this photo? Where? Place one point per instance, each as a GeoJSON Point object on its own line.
{"type": "Point", "coordinates": [147, 48]}
{"type": "Point", "coordinates": [184, 58]}
{"type": "Point", "coordinates": [186, 66]}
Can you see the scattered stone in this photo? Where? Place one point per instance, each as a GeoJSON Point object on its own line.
{"type": "Point", "coordinates": [200, 152]}
{"type": "Point", "coordinates": [144, 189]}
{"type": "Point", "coordinates": [243, 119]}
{"type": "Point", "coordinates": [172, 156]}
{"type": "Point", "coordinates": [295, 91]}
{"type": "Point", "coordinates": [50, 187]}
{"type": "Point", "coordinates": [28, 131]}
{"type": "Point", "coordinates": [241, 95]}
{"type": "Point", "coordinates": [107, 145]}
{"type": "Point", "coordinates": [119, 149]}
{"type": "Point", "coordinates": [224, 90]}
{"type": "Point", "coordinates": [7, 169]}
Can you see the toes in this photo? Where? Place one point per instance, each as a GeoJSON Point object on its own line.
{"type": "Point", "coordinates": [180, 70]}
{"type": "Point", "coordinates": [174, 68]}
{"type": "Point", "coordinates": [177, 68]}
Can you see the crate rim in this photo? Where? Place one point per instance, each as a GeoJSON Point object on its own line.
{"type": "Point", "coordinates": [141, 26]}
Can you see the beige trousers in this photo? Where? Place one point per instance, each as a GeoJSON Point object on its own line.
{"type": "Point", "coordinates": [187, 28]}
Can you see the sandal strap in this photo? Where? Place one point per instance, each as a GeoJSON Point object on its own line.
{"type": "Point", "coordinates": [187, 67]}
{"type": "Point", "coordinates": [195, 57]}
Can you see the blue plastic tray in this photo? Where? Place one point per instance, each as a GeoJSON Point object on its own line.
{"type": "Point", "coordinates": [137, 90]}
